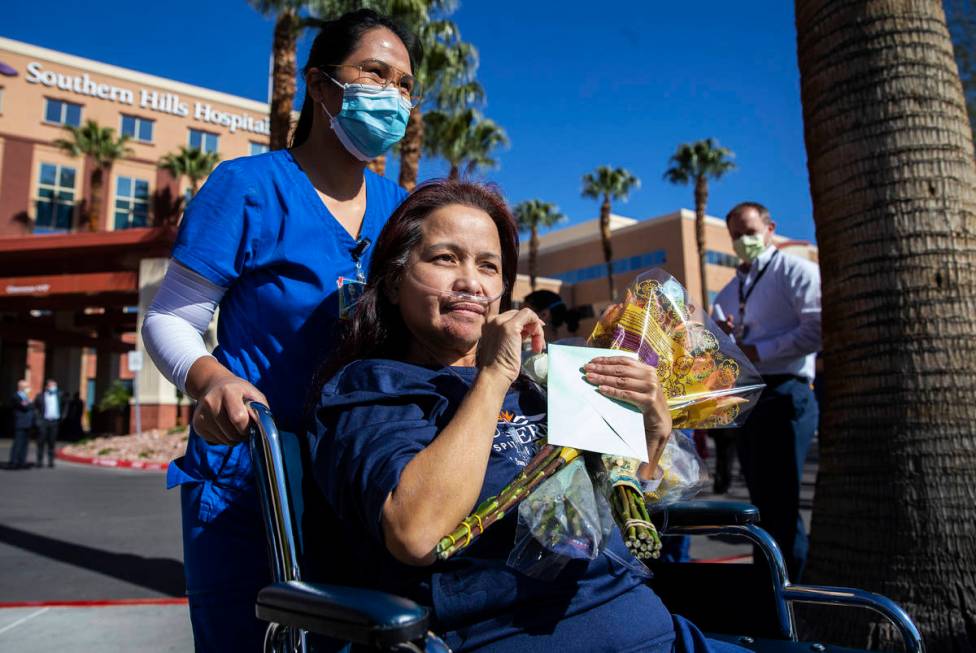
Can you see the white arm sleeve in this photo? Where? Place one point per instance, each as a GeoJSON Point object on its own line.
{"type": "Point", "coordinates": [176, 321]}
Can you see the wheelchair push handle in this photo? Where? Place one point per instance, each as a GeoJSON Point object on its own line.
{"type": "Point", "coordinates": [267, 458]}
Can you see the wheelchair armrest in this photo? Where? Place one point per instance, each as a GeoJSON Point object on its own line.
{"type": "Point", "coordinates": [350, 614]}
{"type": "Point", "coordinates": [704, 513]}
{"type": "Point", "coordinates": [824, 595]}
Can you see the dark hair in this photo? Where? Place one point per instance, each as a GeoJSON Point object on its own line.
{"type": "Point", "coordinates": [742, 206]}
{"type": "Point", "coordinates": [541, 300]}
{"type": "Point", "coordinates": [335, 40]}
{"type": "Point", "coordinates": [376, 329]}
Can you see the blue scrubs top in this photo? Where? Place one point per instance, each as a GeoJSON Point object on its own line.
{"type": "Point", "coordinates": [259, 229]}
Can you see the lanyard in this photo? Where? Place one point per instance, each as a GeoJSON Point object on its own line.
{"type": "Point", "coordinates": [744, 296]}
{"type": "Point", "coordinates": [357, 256]}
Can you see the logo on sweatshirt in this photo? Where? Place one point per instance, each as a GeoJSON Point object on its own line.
{"type": "Point", "coordinates": [516, 435]}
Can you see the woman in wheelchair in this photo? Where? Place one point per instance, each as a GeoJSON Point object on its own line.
{"type": "Point", "coordinates": [424, 415]}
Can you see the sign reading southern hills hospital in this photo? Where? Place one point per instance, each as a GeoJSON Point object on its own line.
{"type": "Point", "coordinates": [148, 99]}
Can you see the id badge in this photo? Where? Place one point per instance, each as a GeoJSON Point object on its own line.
{"type": "Point", "coordinates": [350, 290]}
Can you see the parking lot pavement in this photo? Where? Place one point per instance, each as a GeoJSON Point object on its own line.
{"type": "Point", "coordinates": [75, 534]}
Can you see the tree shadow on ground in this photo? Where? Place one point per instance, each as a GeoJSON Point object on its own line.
{"type": "Point", "coordinates": [161, 575]}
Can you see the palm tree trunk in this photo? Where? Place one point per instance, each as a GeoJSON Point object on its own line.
{"type": "Point", "coordinates": [889, 152]}
{"type": "Point", "coordinates": [410, 149]}
{"type": "Point", "coordinates": [701, 199]}
{"type": "Point", "coordinates": [283, 77]}
{"type": "Point", "coordinates": [95, 206]}
{"type": "Point", "coordinates": [533, 255]}
{"type": "Point", "coordinates": [455, 172]}
{"type": "Point", "coordinates": [607, 245]}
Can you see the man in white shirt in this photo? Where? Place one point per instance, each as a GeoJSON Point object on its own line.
{"type": "Point", "coordinates": [50, 409]}
{"type": "Point", "coordinates": [772, 308]}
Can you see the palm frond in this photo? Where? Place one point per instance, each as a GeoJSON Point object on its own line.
{"type": "Point", "coordinates": [701, 159]}
{"type": "Point", "coordinates": [605, 181]}
{"type": "Point", "coordinates": [535, 213]}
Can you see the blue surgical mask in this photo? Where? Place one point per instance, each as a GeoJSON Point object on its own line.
{"type": "Point", "coordinates": [372, 119]}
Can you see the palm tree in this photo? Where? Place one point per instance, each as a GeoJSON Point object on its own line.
{"type": "Point", "coordinates": [531, 215]}
{"type": "Point", "coordinates": [889, 153]}
{"type": "Point", "coordinates": [610, 184]}
{"type": "Point", "coordinates": [447, 73]}
{"type": "Point", "coordinates": [102, 147]}
{"type": "Point", "coordinates": [288, 25]}
{"type": "Point", "coordinates": [464, 139]}
{"type": "Point", "coordinates": [698, 162]}
{"type": "Point", "coordinates": [191, 162]}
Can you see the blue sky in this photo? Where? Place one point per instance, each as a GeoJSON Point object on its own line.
{"type": "Point", "coordinates": [575, 84]}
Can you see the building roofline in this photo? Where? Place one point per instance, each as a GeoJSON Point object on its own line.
{"type": "Point", "coordinates": [623, 230]}
{"type": "Point", "coordinates": [128, 74]}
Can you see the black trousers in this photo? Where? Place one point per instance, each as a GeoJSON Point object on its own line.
{"type": "Point", "coordinates": [724, 440]}
{"type": "Point", "coordinates": [47, 435]}
{"type": "Point", "coordinates": [18, 452]}
{"type": "Point", "coordinates": [772, 447]}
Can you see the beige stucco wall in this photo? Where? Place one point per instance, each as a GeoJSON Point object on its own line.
{"type": "Point", "coordinates": [674, 233]}
{"type": "Point", "coordinates": [23, 103]}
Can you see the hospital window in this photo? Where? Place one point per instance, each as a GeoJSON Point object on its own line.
{"type": "Point", "coordinates": [204, 141]}
{"type": "Point", "coordinates": [55, 202]}
{"type": "Point", "coordinates": [131, 202]}
{"type": "Point", "coordinates": [258, 148]}
{"type": "Point", "coordinates": [59, 112]}
{"type": "Point", "coordinates": [140, 129]}
{"type": "Point", "coordinates": [599, 271]}
{"type": "Point", "coordinates": [721, 258]}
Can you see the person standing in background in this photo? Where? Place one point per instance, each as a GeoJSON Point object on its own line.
{"type": "Point", "coordinates": [772, 309]}
{"type": "Point", "coordinates": [50, 406]}
{"type": "Point", "coordinates": [23, 422]}
{"type": "Point", "coordinates": [71, 428]}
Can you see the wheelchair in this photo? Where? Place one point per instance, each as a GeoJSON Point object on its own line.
{"type": "Point", "coordinates": [755, 610]}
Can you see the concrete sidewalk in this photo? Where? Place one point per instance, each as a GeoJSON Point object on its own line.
{"type": "Point", "coordinates": [79, 534]}
{"type": "Point", "coordinates": [118, 629]}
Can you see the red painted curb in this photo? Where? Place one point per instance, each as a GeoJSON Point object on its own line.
{"type": "Point", "coordinates": [111, 462]}
{"type": "Point", "coordinates": [90, 604]}
{"type": "Point", "coordinates": [725, 559]}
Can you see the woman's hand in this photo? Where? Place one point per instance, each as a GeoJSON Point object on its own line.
{"type": "Point", "coordinates": [500, 349]}
{"type": "Point", "coordinates": [222, 414]}
{"type": "Point", "coordinates": [630, 380]}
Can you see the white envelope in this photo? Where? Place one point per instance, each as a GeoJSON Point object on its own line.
{"type": "Point", "coordinates": [582, 418]}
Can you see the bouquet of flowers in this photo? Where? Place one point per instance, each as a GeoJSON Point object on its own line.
{"type": "Point", "coordinates": [708, 382]}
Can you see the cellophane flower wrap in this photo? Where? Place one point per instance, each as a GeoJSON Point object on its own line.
{"type": "Point", "coordinates": [708, 381]}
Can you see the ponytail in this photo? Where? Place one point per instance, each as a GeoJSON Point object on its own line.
{"type": "Point", "coordinates": [304, 126]}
